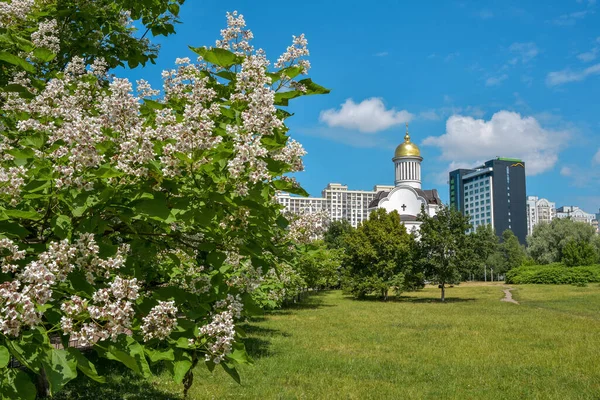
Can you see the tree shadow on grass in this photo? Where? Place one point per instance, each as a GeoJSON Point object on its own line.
{"type": "Point", "coordinates": [310, 301]}
{"type": "Point", "coordinates": [121, 383]}
{"type": "Point", "coordinates": [417, 300]}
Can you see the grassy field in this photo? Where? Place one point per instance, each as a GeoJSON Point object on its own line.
{"type": "Point", "coordinates": [473, 347]}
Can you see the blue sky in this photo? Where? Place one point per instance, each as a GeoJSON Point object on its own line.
{"type": "Point", "coordinates": [474, 79]}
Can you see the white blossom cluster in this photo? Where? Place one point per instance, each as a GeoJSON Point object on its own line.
{"type": "Point", "coordinates": [235, 38]}
{"type": "Point", "coordinates": [233, 304]}
{"type": "Point", "coordinates": [294, 54]}
{"type": "Point", "coordinates": [161, 321]}
{"type": "Point", "coordinates": [14, 11]}
{"type": "Point", "coordinates": [307, 227]}
{"type": "Point", "coordinates": [33, 284]}
{"type": "Point", "coordinates": [109, 315]}
{"type": "Point", "coordinates": [11, 181]}
{"type": "Point", "coordinates": [47, 36]}
{"type": "Point", "coordinates": [220, 333]}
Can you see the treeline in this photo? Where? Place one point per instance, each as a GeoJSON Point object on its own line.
{"type": "Point", "coordinates": [381, 256]}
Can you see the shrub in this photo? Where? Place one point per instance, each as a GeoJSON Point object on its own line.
{"type": "Point", "coordinates": [554, 274]}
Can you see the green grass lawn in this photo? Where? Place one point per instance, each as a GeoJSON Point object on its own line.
{"type": "Point", "coordinates": [473, 347]}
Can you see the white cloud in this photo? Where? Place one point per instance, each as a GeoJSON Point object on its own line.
{"type": "Point", "coordinates": [566, 171]}
{"type": "Point", "coordinates": [596, 159]}
{"type": "Point", "coordinates": [429, 115]}
{"type": "Point", "coordinates": [382, 54]}
{"type": "Point", "coordinates": [570, 19]}
{"type": "Point", "coordinates": [369, 116]}
{"type": "Point", "coordinates": [506, 134]}
{"type": "Point", "coordinates": [451, 56]}
{"type": "Point", "coordinates": [588, 55]}
{"type": "Point", "coordinates": [568, 75]}
{"type": "Point", "coordinates": [524, 51]}
{"type": "Point", "coordinates": [495, 80]}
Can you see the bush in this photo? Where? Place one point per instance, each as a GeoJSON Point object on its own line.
{"type": "Point", "coordinates": [554, 274]}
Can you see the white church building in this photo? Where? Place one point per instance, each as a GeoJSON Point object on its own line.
{"type": "Point", "coordinates": [407, 197]}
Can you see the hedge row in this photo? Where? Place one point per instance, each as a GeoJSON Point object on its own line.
{"type": "Point", "coordinates": [553, 274]}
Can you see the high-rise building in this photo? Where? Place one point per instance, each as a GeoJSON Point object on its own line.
{"type": "Point", "coordinates": [539, 210]}
{"type": "Point", "coordinates": [337, 200]}
{"type": "Point", "coordinates": [492, 194]}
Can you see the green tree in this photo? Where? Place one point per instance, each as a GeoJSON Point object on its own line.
{"type": "Point", "coordinates": [377, 255]}
{"type": "Point", "coordinates": [319, 266]}
{"type": "Point", "coordinates": [545, 245]}
{"type": "Point", "coordinates": [443, 246]}
{"type": "Point", "coordinates": [513, 253]}
{"type": "Point", "coordinates": [334, 236]}
{"type": "Point", "coordinates": [484, 245]}
{"type": "Point", "coordinates": [99, 29]}
{"type": "Point", "coordinates": [579, 252]}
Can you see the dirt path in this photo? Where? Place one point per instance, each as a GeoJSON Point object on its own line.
{"type": "Point", "coordinates": [508, 296]}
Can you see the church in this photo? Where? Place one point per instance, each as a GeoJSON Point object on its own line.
{"type": "Point", "coordinates": [407, 197]}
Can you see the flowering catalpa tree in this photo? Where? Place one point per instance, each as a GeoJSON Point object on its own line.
{"type": "Point", "coordinates": [135, 220]}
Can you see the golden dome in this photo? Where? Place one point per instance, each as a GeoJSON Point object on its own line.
{"type": "Point", "coordinates": [407, 148]}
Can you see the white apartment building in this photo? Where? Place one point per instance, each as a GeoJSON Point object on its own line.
{"type": "Point", "coordinates": [337, 200]}
{"type": "Point", "coordinates": [575, 213]}
{"type": "Point", "coordinates": [539, 210]}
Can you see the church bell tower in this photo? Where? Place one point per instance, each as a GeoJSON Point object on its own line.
{"type": "Point", "coordinates": [407, 161]}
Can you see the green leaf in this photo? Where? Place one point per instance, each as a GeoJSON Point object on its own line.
{"type": "Point", "coordinates": [181, 365]}
{"type": "Point", "coordinates": [4, 357]}
{"type": "Point", "coordinates": [60, 367]}
{"type": "Point", "coordinates": [313, 88]}
{"type": "Point", "coordinates": [155, 207]}
{"type": "Point", "coordinates": [156, 355]}
{"type": "Point", "coordinates": [281, 98]}
{"type": "Point", "coordinates": [239, 354]}
{"type": "Point", "coordinates": [85, 365]}
{"type": "Point", "coordinates": [61, 226]}
{"type": "Point", "coordinates": [16, 385]}
{"type": "Point", "coordinates": [22, 90]}
{"type": "Point", "coordinates": [154, 105]}
{"type": "Point", "coordinates": [291, 72]}
{"type": "Point", "coordinates": [13, 229]}
{"type": "Point", "coordinates": [36, 186]}
{"type": "Point", "coordinates": [129, 352]}
{"type": "Point", "coordinates": [43, 55]}
{"type": "Point", "coordinates": [230, 369]}
{"type": "Point", "coordinates": [18, 61]}
{"type": "Point", "coordinates": [221, 57]}
{"type": "Point", "coordinates": [23, 214]}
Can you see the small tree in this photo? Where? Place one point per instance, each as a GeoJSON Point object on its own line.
{"type": "Point", "coordinates": [579, 252]}
{"type": "Point", "coordinates": [484, 244]}
{"type": "Point", "coordinates": [443, 246]}
{"type": "Point", "coordinates": [512, 251]}
{"type": "Point", "coordinates": [377, 254]}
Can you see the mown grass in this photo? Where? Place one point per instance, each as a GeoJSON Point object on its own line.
{"type": "Point", "coordinates": [472, 347]}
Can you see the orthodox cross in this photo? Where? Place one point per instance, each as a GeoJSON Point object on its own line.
{"type": "Point", "coordinates": [403, 207]}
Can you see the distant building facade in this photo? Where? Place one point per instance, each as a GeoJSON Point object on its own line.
{"type": "Point", "coordinates": [337, 200]}
{"type": "Point", "coordinates": [575, 213]}
{"type": "Point", "coordinates": [492, 194]}
{"type": "Point", "coordinates": [538, 211]}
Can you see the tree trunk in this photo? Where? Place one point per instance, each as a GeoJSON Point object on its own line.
{"type": "Point", "coordinates": [42, 384]}
{"type": "Point", "coordinates": [443, 292]}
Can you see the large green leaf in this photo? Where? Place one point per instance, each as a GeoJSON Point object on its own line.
{"type": "Point", "coordinates": [16, 385]}
{"type": "Point", "coordinates": [221, 57]}
{"type": "Point", "coordinates": [181, 365]}
{"type": "Point", "coordinates": [4, 356]}
{"type": "Point", "coordinates": [60, 367]}
{"type": "Point", "coordinates": [156, 355]}
{"type": "Point", "coordinates": [15, 60]}
{"type": "Point", "coordinates": [85, 365]}
{"type": "Point", "coordinates": [230, 369]}
{"type": "Point", "coordinates": [129, 352]}
{"type": "Point", "coordinates": [43, 55]}
{"type": "Point", "coordinates": [155, 207]}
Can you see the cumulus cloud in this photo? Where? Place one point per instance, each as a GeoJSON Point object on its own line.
{"type": "Point", "coordinates": [429, 115]}
{"type": "Point", "coordinates": [506, 134]}
{"type": "Point", "coordinates": [495, 80]}
{"type": "Point", "coordinates": [524, 51]}
{"type": "Point", "coordinates": [588, 55]}
{"type": "Point", "coordinates": [567, 75]}
{"type": "Point", "coordinates": [368, 116]}
{"type": "Point", "coordinates": [596, 159]}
